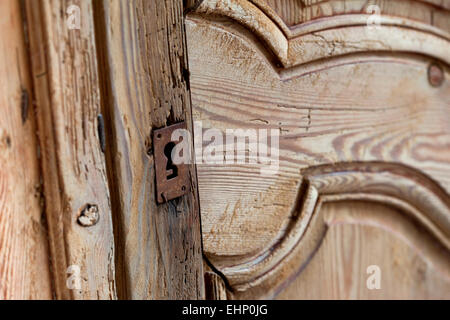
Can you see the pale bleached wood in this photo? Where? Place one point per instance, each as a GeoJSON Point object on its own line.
{"type": "Point", "coordinates": [412, 30]}
{"type": "Point", "coordinates": [341, 94]}
{"type": "Point", "coordinates": [382, 109]}
{"type": "Point", "coordinates": [146, 86]}
{"type": "Point", "coordinates": [294, 12]}
{"type": "Point", "coordinates": [338, 270]}
{"type": "Point", "coordinates": [68, 104]}
{"type": "Point", "coordinates": [256, 20]}
{"type": "Point", "coordinates": [422, 201]}
{"type": "Point", "coordinates": [24, 259]}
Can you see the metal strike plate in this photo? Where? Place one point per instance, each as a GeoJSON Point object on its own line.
{"type": "Point", "coordinates": [172, 180]}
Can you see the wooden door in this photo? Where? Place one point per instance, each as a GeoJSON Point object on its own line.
{"type": "Point", "coordinates": [359, 94]}
{"type": "Point", "coordinates": [335, 183]}
{"type": "Point", "coordinates": [84, 84]}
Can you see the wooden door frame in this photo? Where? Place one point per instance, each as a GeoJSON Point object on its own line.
{"type": "Point", "coordinates": [100, 91]}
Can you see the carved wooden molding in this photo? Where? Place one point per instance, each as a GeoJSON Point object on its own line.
{"type": "Point", "coordinates": [337, 35]}
{"type": "Point", "coordinates": [318, 43]}
{"type": "Point", "coordinates": [422, 200]}
{"type": "Point", "coordinates": [294, 13]}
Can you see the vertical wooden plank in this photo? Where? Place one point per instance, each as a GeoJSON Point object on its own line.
{"type": "Point", "coordinates": [68, 104]}
{"type": "Point", "coordinates": [215, 288]}
{"type": "Point", "coordinates": [145, 76]}
{"type": "Point", "coordinates": [24, 261]}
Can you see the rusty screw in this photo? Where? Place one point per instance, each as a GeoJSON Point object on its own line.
{"type": "Point", "coordinates": [89, 216]}
{"type": "Point", "coordinates": [435, 75]}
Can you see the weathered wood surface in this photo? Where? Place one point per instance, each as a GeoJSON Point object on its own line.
{"type": "Point", "coordinates": [294, 12]}
{"type": "Point", "coordinates": [67, 93]}
{"type": "Point", "coordinates": [335, 34]}
{"type": "Point", "coordinates": [422, 221]}
{"type": "Point", "coordinates": [337, 92]}
{"type": "Point", "coordinates": [352, 244]}
{"type": "Point", "coordinates": [24, 260]}
{"type": "Point", "coordinates": [145, 87]}
{"type": "Point", "coordinates": [214, 287]}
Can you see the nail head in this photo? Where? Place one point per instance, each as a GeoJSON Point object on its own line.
{"type": "Point", "coordinates": [435, 75]}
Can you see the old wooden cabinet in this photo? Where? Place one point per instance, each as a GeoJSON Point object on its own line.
{"type": "Point", "coordinates": [350, 99]}
{"type": "Point", "coordinates": [359, 92]}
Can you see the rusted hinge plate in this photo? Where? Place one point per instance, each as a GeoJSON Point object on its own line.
{"type": "Point", "coordinates": [172, 180]}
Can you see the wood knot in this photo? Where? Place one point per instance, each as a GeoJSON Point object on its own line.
{"type": "Point", "coordinates": [89, 216]}
{"type": "Point", "coordinates": [5, 141]}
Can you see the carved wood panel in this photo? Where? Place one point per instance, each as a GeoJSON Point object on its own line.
{"type": "Point", "coordinates": [364, 130]}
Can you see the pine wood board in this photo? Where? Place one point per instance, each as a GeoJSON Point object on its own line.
{"type": "Point", "coordinates": [66, 84]}
{"type": "Point", "coordinates": [146, 87]}
{"type": "Point", "coordinates": [24, 256]}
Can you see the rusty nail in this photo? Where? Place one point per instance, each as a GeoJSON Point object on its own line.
{"type": "Point", "coordinates": [89, 216]}
{"type": "Point", "coordinates": [435, 75]}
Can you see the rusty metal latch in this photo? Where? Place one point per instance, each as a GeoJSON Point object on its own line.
{"type": "Point", "coordinates": [172, 180]}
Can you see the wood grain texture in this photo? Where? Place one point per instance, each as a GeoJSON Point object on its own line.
{"type": "Point", "coordinates": [68, 103]}
{"type": "Point", "coordinates": [421, 200]}
{"type": "Point", "coordinates": [331, 114]}
{"type": "Point", "coordinates": [24, 258]}
{"type": "Point", "coordinates": [215, 288]}
{"type": "Point", "coordinates": [337, 94]}
{"type": "Point", "coordinates": [423, 29]}
{"type": "Point", "coordinates": [146, 87]}
{"type": "Point", "coordinates": [338, 270]}
{"type": "Point", "coordinates": [294, 12]}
